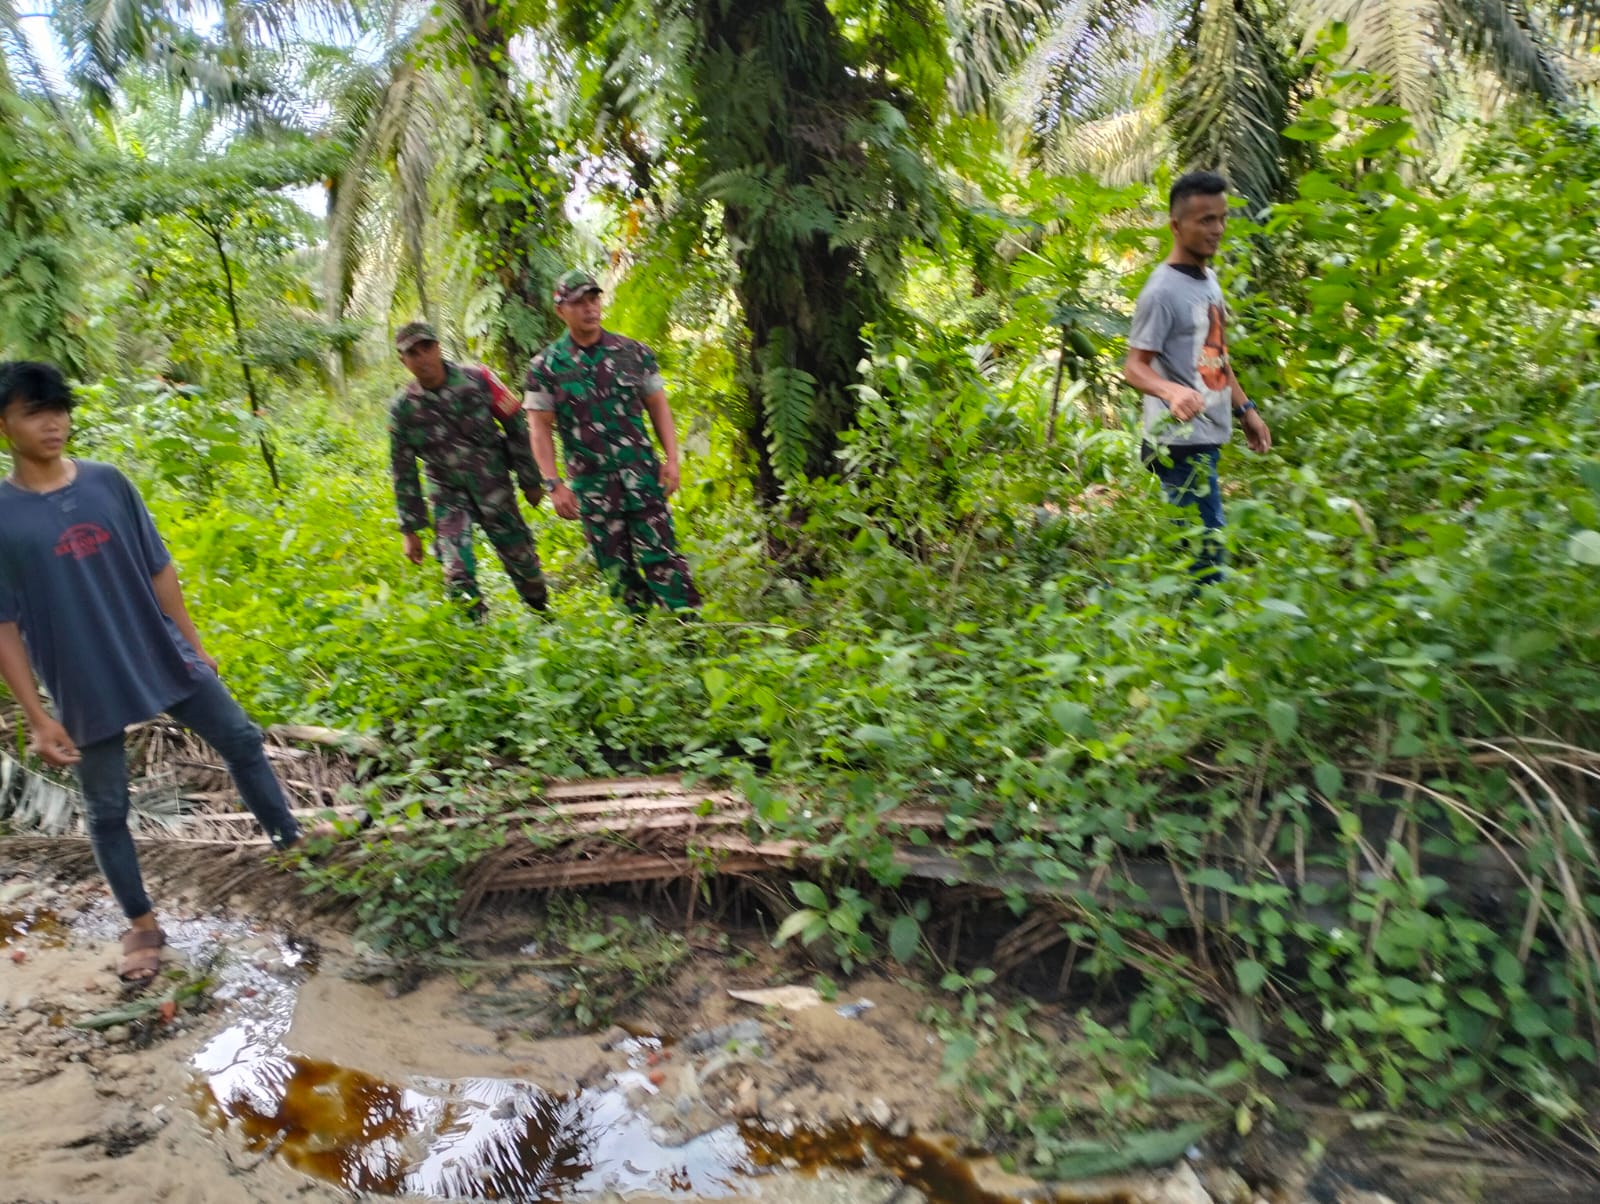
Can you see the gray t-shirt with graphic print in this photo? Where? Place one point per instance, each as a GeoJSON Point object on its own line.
{"type": "Point", "coordinates": [1183, 319]}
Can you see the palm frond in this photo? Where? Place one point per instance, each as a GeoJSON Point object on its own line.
{"type": "Point", "coordinates": [1397, 41]}
{"type": "Point", "coordinates": [1036, 87]}
{"type": "Point", "coordinates": [283, 22]}
{"type": "Point", "coordinates": [1091, 68]}
{"type": "Point", "coordinates": [1505, 36]}
{"type": "Point", "coordinates": [1234, 93]}
{"type": "Point", "coordinates": [227, 64]}
{"type": "Point", "coordinates": [116, 26]}
{"type": "Point", "coordinates": [19, 59]}
{"type": "Point", "coordinates": [32, 802]}
{"type": "Point", "coordinates": [414, 171]}
{"type": "Point", "coordinates": [359, 97]}
{"type": "Point", "coordinates": [100, 37]}
{"type": "Point", "coordinates": [389, 115]}
{"type": "Point", "coordinates": [1119, 149]}
{"type": "Point", "coordinates": [379, 258]}
{"type": "Point", "coordinates": [989, 38]}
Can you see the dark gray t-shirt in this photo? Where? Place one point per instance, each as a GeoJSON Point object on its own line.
{"type": "Point", "coordinates": [75, 570]}
{"type": "Point", "coordinates": [1183, 319]}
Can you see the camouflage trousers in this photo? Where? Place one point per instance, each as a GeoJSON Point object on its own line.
{"type": "Point", "coordinates": [510, 537]}
{"type": "Point", "coordinates": [629, 529]}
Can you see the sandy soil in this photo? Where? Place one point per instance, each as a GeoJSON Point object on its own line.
{"type": "Point", "coordinates": [86, 1119]}
{"type": "Point", "coordinates": [299, 1078]}
{"type": "Point", "coordinates": [814, 1063]}
{"type": "Point", "coordinates": [125, 1114]}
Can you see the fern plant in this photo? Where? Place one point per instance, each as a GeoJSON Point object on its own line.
{"type": "Point", "coordinates": [788, 395]}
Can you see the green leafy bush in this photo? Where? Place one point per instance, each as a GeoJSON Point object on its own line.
{"type": "Point", "coordinates": [1398, 679]}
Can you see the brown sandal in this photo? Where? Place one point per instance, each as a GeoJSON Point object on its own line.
{"type": "Point", "coordinates": [141, 955]}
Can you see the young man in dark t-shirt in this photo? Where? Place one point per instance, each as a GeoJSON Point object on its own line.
{"type": "Point", "coordinates": [1178, 358]}
{"type": "Point", "coordinates": [89, 594]}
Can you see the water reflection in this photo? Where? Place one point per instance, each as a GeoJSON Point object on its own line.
{"type": "Point", "coordinates": [476, 1139]}
{"type": "Point", "coordinates": [43, 929]}
{"type": "Point", "coordinates": [472, 1138]}
{"type": "Point", "coordinates": [502, 1139]}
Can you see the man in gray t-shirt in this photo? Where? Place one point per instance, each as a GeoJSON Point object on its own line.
{"type": "Point", "coordinates": [1178, 359]}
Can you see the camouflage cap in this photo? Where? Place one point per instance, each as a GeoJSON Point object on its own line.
{"type": "Point", "coordinates": [413, 333]}
{"type": "Point", "coordinates": [576, 283]}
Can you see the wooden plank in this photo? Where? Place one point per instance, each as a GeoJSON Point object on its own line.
{"type": "Point", "coordinates": [608, 870]}
{"type": "Point", "coordinates": [645, 803]}
{"type": "Point", "coordinates": [244, 817]}
{"type": "Point", "coordinates": [327, 737]}
{"type": "Point", "coordinates": [563, 819]}
{"type": "Point", "coordinates": [614, 788]}
{"type": "Point", "coordinates": [780, 851]}
{"type": "Point", "coordinates": [622, 825]}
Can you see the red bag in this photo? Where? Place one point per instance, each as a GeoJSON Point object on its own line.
{"type": "Point", "coordinates": [504, 401]}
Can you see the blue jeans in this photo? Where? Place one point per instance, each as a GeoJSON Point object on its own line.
{"type": "Point", "coordinates": [212, 714]}
{"type": "Point", "coordinates": [1191, 481]}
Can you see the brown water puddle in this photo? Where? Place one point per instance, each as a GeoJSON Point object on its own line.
{"type": "Point", "coordinates": [932, 1168]}
{"type": "Point", "coordinates": [44, 929]}
{"type": "Point", "coordinates": [503, 1139]}
{"type": "Point", "coordinates": [495, 1139]}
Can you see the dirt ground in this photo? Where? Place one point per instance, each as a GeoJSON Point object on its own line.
{"type": "Point", "coordinates": [87, 1116]}
{"type": "Point", "coordinates": [301, 1075]}
{"type": "Point", "coordinates": [172, 1110]}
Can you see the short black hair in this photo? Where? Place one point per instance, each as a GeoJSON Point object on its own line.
{"type": "Point", "coordinates": [38, 386]}
{"type": "Point", "coordinates": [1195, 183]}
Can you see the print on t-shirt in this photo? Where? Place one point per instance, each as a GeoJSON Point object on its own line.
{"type": "Point", "coordinates": [82, 540]}
{"type": "Point", "coordinates": [1212, 362]}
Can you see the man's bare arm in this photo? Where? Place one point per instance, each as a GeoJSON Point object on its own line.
{"type": "Point", "coordinates": [542, 438]}
{"type": "Point", "coordinates": [18, 673]}
{"type": "Point", "coordinates": [49, 737]}
{"type": "Point", "coordinates": [1257, 436]}
{"type": "Point", "coordinates": [1139, 371]}
{"type": "Point", "coordinates": [169, 596]}
{"type": "Point", "coordinates": [661, 418]}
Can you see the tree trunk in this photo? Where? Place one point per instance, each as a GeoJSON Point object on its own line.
{"type": "Point", "coordinates": [514, 205]}
{"type": "Point", "coordinates": [256, 411]}
{"type": "Point", "coordinates": [776, 99]}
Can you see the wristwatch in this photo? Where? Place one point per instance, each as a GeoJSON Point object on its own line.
{"type": "Point", "coordinates": [1239, 411]}
{"type": "Point", "coordinates": [550, 482]}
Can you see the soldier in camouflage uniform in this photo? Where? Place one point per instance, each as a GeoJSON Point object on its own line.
{"type": "Point", "coordinates": [596, 387]}
{"type": "Point", "coordinates": [469, 432]}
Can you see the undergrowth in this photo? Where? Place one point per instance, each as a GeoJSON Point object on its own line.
{"type": "Point", "coordinates": [1396, 685]}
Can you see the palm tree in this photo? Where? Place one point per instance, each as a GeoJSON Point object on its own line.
{"type": "Point", "coordinates": [447, 70]}
{"type": "Point", "coordinates": [798, 131]}
{"type": "Point", "coordinates": [229, 65]}
{"type": "Point", "coordinates": [39, 297]}
{"type": "Point", "coordinates": [445, 144]}
{"type": "Point", "coordinates": [389, 114]}
{"type": "Point", "coordinates": [1123, 85]}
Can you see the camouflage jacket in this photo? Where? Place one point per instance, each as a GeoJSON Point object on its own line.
{"type": "Point", "coordinates": [466, 444]}
{"type": "Point", "coordinates": [597, 395]}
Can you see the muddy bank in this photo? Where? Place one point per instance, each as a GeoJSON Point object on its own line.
{"type": "Point", "coordinates": [104, 1116]}
{"type": "Point", "coordinates": [301, 1072]}
{"type": "Point", "coordinates": [294, 1082]}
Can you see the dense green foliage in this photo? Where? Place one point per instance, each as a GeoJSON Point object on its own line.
{"type": "Point", "coordinates": [998, 626]}
{"type": "Point", "coordinates": [983, 609]}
